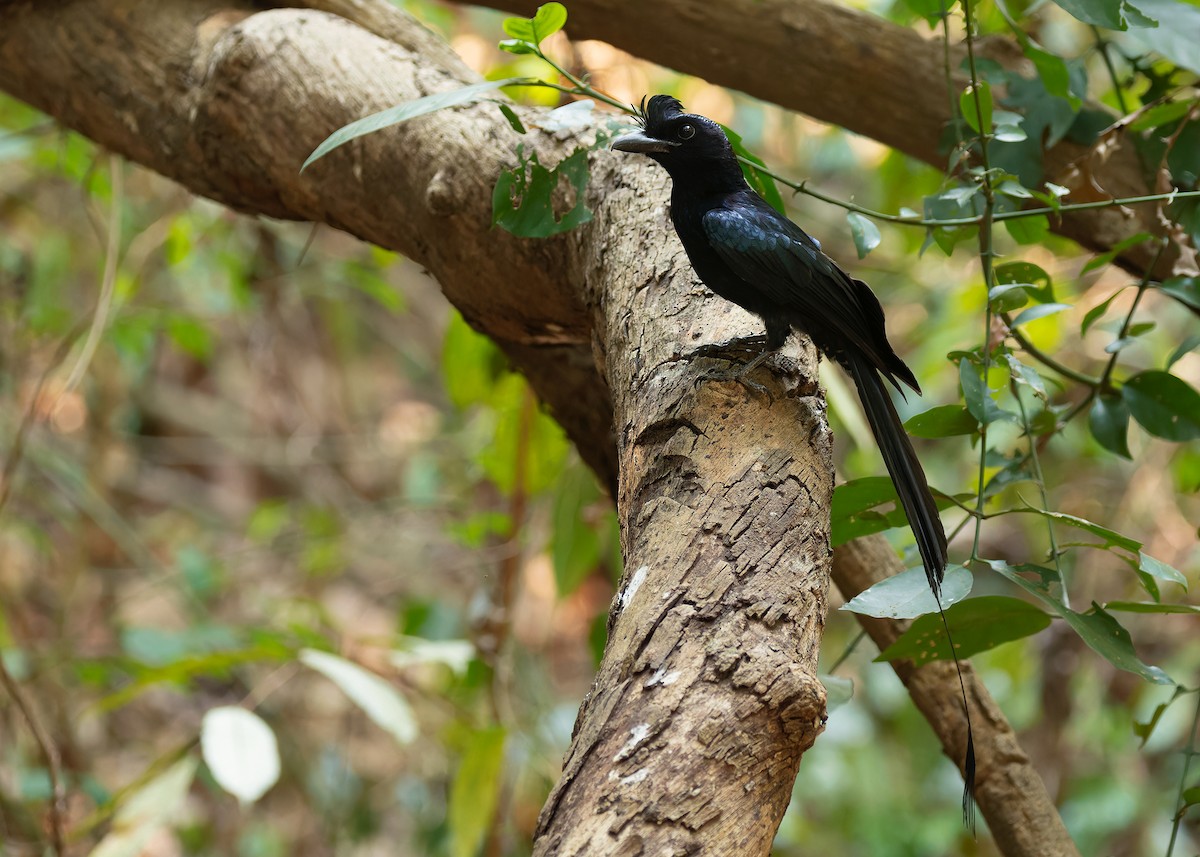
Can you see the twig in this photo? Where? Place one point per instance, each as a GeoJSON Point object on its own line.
{"type": "Point", "coordinates": [49, 750]}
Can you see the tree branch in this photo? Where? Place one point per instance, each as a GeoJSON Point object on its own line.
{"type": "Point", "coordinates": [709, 678]}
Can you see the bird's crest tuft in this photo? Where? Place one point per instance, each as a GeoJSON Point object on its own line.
{"type": "Point", "coordinates": [657, 110]}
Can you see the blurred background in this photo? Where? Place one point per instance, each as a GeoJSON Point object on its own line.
{"type": "Point", "coordinates": [282, 441]}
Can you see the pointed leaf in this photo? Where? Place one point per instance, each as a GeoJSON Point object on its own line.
{"type": "Point", "coordinates": [838, 690]}
{"type": "Point", "coordinates": [405, 111]}
{"type": "Point", "coordinates": [381, 702]}
{"type": "Point", "coordinates": [1105, 635]}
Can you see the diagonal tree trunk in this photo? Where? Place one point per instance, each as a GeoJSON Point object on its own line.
{"type": "Point", "coordinates": [707, 696]}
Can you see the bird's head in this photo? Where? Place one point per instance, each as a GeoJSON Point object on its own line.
{"type": "Point", "coordinates": [675, 139]}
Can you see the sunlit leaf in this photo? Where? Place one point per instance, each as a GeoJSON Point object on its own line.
{"type": "Point", "coordinates": [402, 112]}
{"type": "Point", "coordinates": [381, 702]}
{"type": "Point", "coordinates": [865, 232]}
{"type": "Point", "coordinates": [907, 594]}
{"type": "Point", "coordinates": [1029, 229]}
{"type": "Point", "coordinates": [414, 651]}
{"type": "Point", "coordinates": [548, 20]}
{"type": "Point", "coordinates": [240, 751]}
{"type": "Point", "coordinates": [1039, 311]}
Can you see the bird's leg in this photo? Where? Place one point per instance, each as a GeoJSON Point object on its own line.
{"type": "Point", "coordinates": [762, 346]}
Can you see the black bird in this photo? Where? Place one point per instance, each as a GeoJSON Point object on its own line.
{"type": "Point", "coordinates": [750, 254]}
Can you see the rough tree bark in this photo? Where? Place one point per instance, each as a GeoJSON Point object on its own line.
{"type": "Point", "coordinates": [707, 696]}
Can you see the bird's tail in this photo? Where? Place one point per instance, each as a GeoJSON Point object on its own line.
{"type": "Point", "coordinates": [902, 464]}
{"type": "Point", "coordinates": [917, 501]}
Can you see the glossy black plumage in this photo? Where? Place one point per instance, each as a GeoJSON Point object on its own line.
{"type": "Point", "coordinates": [750, 254]}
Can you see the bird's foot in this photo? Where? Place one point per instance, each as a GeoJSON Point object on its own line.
{"type": "Point", "coordinates": [740, 375]}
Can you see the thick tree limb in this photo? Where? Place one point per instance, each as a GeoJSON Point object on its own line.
{"type": "Point", "coordinates": [725, 516]}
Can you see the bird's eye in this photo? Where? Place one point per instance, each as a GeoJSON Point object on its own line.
{"type": "Point", "coordinates": [687, 132]}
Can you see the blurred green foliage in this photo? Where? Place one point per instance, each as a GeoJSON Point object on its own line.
{"type": "Point", "coordinates": [293, 481]}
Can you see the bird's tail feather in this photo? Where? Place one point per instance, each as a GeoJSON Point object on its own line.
{"type": "Point", "coordinates": [906, 472]}
{"type": "Point", "coordinates": [917, 500]}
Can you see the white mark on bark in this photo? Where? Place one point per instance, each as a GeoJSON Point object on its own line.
{"type": "Point", "coordinates": [637, 735]}
{"type": "Point", "coordinates": [635, 583]}
{"type": "Point", "coordinates": [636, 777]}
{"type": "Point", "coordinates": [662, 677]}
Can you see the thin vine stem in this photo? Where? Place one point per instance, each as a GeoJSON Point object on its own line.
{"type": "Point", "coordinates": [1180, 804]}
{"type": "Point", "coordinates": [582, 88]}
{"type": "Point", "coordinates": [985, 261]}
{"type": "Point", "coordinates": [1040, 481]}
{"type": "Point", "coordinates": [1102, 45]}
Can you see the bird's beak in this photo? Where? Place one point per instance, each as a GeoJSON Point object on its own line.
{"type": "Point", "coordinates": [639, 141]}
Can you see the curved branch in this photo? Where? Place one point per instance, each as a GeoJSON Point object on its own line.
{"type": "Point", "coordinates": [709, 676]}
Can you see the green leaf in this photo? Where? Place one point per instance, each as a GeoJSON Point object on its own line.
{"type": "Point", "coordinates": [403, 112]}
{"type": "Point", "coordinates": [1116, 250]}
{"type": "Point", "coordinates": [1039, 311]}
{"type": "Point", "coordinates": [547, 21]}
{"type": "Point", "coordinates": [1029, 229]}
{"type": "Point", "coordinates": [1105, 636]}
{"type": "Point", "coordinates": [1190, 796]}
{"type": "Point", "coordinates": [1097, 312]}
{"type": "Point", "coordinates": [942, 421]}
{"type": "Point", "coordinates": [1185, 347]}
{"type": "Point", "coordinates": [1109, 423]}
{"type": "Point", "coordinates": [1112, 14]}
{"type": "Point", "coordinates": [1164, 405]}
{"type": "Point", "coordinates": [1033, 278]}
{"type": "Point", "coordinates": [1161, 114]}
{"type": "Point", "coordinates": [1149, 607]}
{"type": "Point", "coordinates": [1186, 290]}
{"type": "Point", "coordinates": [516, 46]}
{"type": "Point", "coordinates": [976, 395]}
{"type": "Point", "coordinates": [1159, 570]}
{"type": "Point", "coordinates": [865, 232]}
{"type": "Point", "coordinates": [574, 545]}
{"type": "Point", "coordinates": [1026, 375]}
{"type": "Point", "coordinates": [976, 105]}
{"type": "Point", "coordinates": [762, 183]}
{"type": "Point", "coordinates": [1176, 36]}
{"type": "Point", "coordinates": [907, 594]}
{"type": "Point", "coordinates": [1111, 537]}
{"type": "Point", "coordinates": [1145, 730]}
{"type": "Point", "coordinates": [475, 791]}
{"type": "Point", "coordinates": [852, 510]}
{"type": "Point", "coordinates": [1096, 628]}
{"type": "Point", "coordinates": [513, 119]}
{"type": "Point", "coordinates": [471, 363]}
{"type": "Point", "coordinates": [523, 199]}
{"type": "Point", "coordinates": [976, 624]}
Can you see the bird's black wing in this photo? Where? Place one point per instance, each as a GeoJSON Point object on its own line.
{"type": "Point", "coordinates": [777, 259]}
